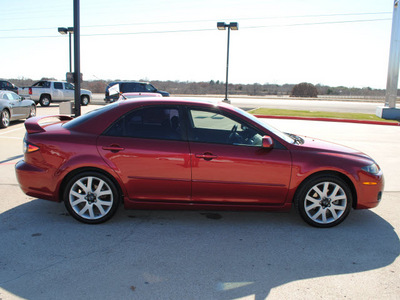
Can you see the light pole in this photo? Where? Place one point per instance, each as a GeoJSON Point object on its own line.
{"type": "Point", "coordinates": [69, 30]}
{"type": "Point", "coordinates": [223, 26]}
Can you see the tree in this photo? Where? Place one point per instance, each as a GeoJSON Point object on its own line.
{"type": "Point", "coordinates": [304, 89]}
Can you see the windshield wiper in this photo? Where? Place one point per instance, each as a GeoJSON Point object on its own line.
{"type": "Point", "coordinates": [298, 140]}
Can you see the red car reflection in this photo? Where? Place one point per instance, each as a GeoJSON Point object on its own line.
{"type": "Point", "coordinates": [181, 154]}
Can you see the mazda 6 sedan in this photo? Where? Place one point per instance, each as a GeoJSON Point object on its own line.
{"type": "Point", "coordinates": [186, 154]}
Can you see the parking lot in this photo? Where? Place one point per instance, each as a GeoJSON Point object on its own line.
{"type": "Point", "coordinates": [46, 254]}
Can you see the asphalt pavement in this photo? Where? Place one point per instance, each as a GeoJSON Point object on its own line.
{"type": "Point", "coordinates": [46, 254]}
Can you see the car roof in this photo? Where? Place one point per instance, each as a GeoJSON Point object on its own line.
{"type": "Point", "coordinates": [126, 81]}
{"type": "Point", "coordinates": [6, 92]}
{"type": "Point", "coordinates": [175, 100]}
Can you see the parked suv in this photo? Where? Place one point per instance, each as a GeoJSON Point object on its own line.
{"type": "Point", "coordinates": [8, 86]}
{"type": "Point", "coordinates": [131, 87]}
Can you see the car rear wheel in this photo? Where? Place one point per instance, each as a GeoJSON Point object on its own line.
{"type": "Point", "coordinates": [45, 100]}
{"type": "Point", "coordinates": [85, 100]}
{"type": "Point", "coordinates": [5, 118]}
{"type": "Point", "coordinates": [324, 201]}
{"type": "Point", "coordinates": [91, 197]}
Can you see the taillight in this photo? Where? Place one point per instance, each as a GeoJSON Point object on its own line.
{"type": "Point", "coordinates": [30, 91]}
{"type": "Point", "coordinates": [28, 147]}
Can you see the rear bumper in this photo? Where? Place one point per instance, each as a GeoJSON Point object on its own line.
{"type": "Point", "coordinates": [32, 181]}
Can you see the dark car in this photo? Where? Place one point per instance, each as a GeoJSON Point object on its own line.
{"type": "Point", "coordinates": [14, 107]}
{"type": "Point", "coordinates": [190, 154]}
{"type": "Point", "coordinates": [8, 86]}
{"type": "Point", "coordinates": [131, 87]}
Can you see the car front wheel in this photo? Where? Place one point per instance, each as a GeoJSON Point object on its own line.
{"type": "Point", "coordinates": [32, 111]}
{"type": "Point", "coordinates": [91, 197]}
{"type": "Point", "coordinates": [324, 201]}
{"type": "Point", "coordinates": [85, 100]}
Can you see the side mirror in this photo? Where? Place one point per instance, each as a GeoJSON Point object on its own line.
{"type": "Point", "coordinates": [267, 142]}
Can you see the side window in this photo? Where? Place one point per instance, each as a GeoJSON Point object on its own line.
{"type": "Point", "coordinates": [68, 86]}
{"type": "Point", "coordinates": [14, 96]}
{"type": "Point", "coordinates": [149, 123]}
{"type": "Point", "coordinates": [58, 85]}
{"type": "Point", "coordinates": [150, 88]}
{"type": "Point", "coordinates": [213, 127]}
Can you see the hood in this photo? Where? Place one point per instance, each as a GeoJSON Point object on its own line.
{"type": "Point", "coordinates": [313, 144]}
{"type": "Point", "coordinates": [86, 92]}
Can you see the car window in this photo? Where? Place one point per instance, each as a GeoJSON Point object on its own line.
{"type": "Point", "coordinates": [58, 85]}
{"type": "Point", "coordinates": [127, 87]}
{"type": "Point", "coordinates": [149, 123]}
{"type": "Point", "coordinates": [91, 114]}
{"type": "Point", "coordinates": [150, 88]}
{"type": "Point", "coordinates": [68, 86]}
{"type": "Point", "coordinates": [214, 127]}
{"type": "Point", "coordinates": [14, 96]}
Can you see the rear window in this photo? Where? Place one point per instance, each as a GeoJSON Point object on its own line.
{"type": "Point", "coordinates": [92, 114]}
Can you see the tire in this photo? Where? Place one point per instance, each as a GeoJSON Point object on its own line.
{"type": "Point", "coordinates": [85, 100]}
{"type": "Point", "coordinates": [32, 112]}
{"type": "Point", "coordinates": [5, 118]}
{"type": "Point", "coordinates": [324, 201]}
{"type": "Point", "coordinates": [45, 100]}
{"type": "Point", "coordinates": [91, 197]}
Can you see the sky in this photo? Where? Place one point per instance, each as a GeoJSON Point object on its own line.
{"type": "Point", "coordinates": [335, 43]}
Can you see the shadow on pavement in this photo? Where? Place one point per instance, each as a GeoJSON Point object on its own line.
{"type": "Point", "coordinates": [46, 254]}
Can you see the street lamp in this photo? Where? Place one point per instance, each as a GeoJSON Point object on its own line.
{"type": "Point", "coordinates": [223, 26]}
{"type": "Point", "coordinates": [65, 30]}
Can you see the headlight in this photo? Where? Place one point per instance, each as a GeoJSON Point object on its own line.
{"type": "Point", "coordinates": [373, 169]}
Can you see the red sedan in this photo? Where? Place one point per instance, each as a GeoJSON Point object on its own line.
{"type": "Point", "coordinates": [181, 154]}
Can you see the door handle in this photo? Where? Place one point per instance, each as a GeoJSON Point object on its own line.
{"type": "Point", "coordinates": [113, 148]}
{"type": "Point", "coordinates": [206, 156]}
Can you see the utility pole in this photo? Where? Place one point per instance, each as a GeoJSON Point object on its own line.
{"type": "Point", "coordinates": [77, 59]}
{"type": "Point", "coordinates": [389, 111]}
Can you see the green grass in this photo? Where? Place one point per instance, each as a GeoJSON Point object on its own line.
{"type": "Point", "coordinates": [318, 114]}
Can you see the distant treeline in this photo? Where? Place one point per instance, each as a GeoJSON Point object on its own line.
{"type": "Point", "coordinates": [218, 88]}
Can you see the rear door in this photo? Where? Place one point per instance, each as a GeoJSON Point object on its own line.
{"type": "Point", "coordinates": [58, 91]}
{"type": "Point", "coordinates": [229, 165]}
{"type": "Point", "coordinates": [148, 149]}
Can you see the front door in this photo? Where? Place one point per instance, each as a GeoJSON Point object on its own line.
{"type": "Point", "coordinates": [230, 166]}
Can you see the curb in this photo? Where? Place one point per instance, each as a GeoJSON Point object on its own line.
{"type": "Point", "coordinates": [329, 120]}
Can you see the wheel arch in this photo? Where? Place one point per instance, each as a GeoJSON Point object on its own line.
{"type": "Point", "coordinates": [44, 95]}
{"type": "Point", "coordinates": [342, 176]}
{"type": "Point", "coordinates": [74, 172]}
{"type": "Point", "coordinates": [7, 109]}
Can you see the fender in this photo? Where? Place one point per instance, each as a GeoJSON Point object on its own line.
{"type": "Point", "coordinates": [84, 162]}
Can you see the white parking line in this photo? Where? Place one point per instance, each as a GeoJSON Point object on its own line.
{"type": "Point", "coordinates": [11, 137]}
{"type": "Point", "coordinates": [14, 129]}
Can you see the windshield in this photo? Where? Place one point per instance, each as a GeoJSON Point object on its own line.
{"type": "Point", "coordinates": [270, 128]}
